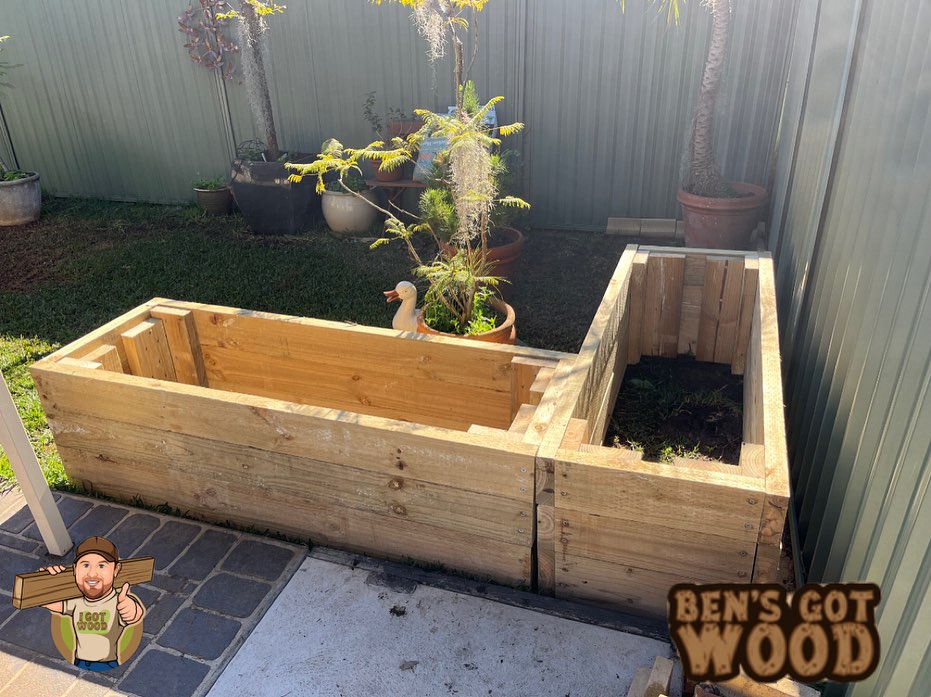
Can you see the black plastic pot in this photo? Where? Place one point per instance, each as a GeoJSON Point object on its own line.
{"type": "Point", "coordinates": [270, 203]}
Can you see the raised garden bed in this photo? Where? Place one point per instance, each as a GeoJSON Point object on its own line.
{"type": "Point", "coordinates": [398, 445]}
{"type": "Point", "coordinates": [615, 529]}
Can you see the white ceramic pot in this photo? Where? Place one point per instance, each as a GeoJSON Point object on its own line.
{"type": "Point", "coordinates": [20, 200]}
{"type": "Point", "coordinates": [345, 213]}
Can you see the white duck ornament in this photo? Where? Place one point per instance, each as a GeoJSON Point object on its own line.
{"type": "Point", "coordinates": [405, 319]}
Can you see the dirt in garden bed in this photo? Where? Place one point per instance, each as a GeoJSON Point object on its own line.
{"type": "Point", "coordinates": [679, 407]}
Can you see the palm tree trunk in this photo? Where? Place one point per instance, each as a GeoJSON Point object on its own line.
{"type": "Point", "coordinates": [257, 81]}
{"type": "Point", "coordinates": [704, 177]}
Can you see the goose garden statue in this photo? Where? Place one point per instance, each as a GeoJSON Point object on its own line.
{"type": "Point", "coordinates": [405, 319]}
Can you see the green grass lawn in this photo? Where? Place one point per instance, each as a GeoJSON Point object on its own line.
{"type": "Point", "coordinates": [85, 262]}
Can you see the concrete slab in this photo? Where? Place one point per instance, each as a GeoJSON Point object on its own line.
{"type": "Point", "coordinates": [335, 630]}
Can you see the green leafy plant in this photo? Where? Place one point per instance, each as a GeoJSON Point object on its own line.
{"type": "Point", "coordinates": [351, 183]}
{"type": "Point", "coordinates": [11, 175]}
{"type": "Point", "coordinates": [7, 174]}
{"type": "Point", "coordinates": [214, 184]}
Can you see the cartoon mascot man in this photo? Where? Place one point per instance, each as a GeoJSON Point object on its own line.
{"type": "Point", "coordinates": [101, 615]}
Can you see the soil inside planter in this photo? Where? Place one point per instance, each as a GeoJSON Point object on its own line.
{"type": "Point", "coordinates": [679, 407]}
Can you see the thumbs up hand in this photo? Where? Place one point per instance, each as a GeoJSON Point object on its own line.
{"type": "Point", "coordinates": [127, 607]}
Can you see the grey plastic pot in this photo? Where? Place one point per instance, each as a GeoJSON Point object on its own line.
{"type": "Point", "coordinates": [20, 200]}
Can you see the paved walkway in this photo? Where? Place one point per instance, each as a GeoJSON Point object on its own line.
{"type": "Point", "coordinates": [211, 587]}
{"type": "Point", "coordinates": [344, 625]}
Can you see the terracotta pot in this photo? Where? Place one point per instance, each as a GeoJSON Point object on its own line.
{"type": "Point", "coordinates": [504, 257]}
{"type": "Point", "coordinates": [384, 175]}
{"type": "Point", "coordinates": [215, 201]}
{"type": "Point", "coordinates": [402, 129]}
{"type": "Point", "coordinates": [504, 333]}
{"type": "Point", "coordinates": [723, 223]}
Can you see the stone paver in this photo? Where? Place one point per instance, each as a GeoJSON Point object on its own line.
{"type": "Point", "coordinates": [170, 541]}
{"type": "Point", "coordinates": [204, 555]}
{"type": "Point", "coordinates": [259, 559]}
{"type": "Point", "coordinates": [200, 634]}
{"type": "Point", "coordinates": [231, 595]}
{"type": "Point", "coordinates": [132, 532]}
{"type": "Point", "coordinates": [161, 674]}
{"type": "Point", "coordinates": [98, 521]}
{"type": "Point", "coordinates": [189, 551]}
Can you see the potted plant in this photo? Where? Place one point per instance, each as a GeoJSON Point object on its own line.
{"type": "Point", "coordinates": [20, 193]}
{"type": "Point", "coordinates": [399, 126]}
{"type": "Point", "coordinates": [270, 203]}
{"type": "Point", "coordinates": [718, 213]}
{"type": "Point", "coordinates": [213, 196]}
{"type": "Point", "coordinates": [348, 203]}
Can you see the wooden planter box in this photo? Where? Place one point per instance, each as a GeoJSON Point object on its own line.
{"type": "Point", "coordinates": [398, 445]}
{"type": "Point", "coordinates": [620, 531]}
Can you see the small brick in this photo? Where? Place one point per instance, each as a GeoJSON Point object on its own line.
{"type": "Point", "coordinates": [132, 532]}
{"type": "Point", "coordinates": [18, 543]}
{"type": "Point", "coordinates": [231, 595]}
{"type": "Point", "coordinates": [6, 609]}
{"type": "Point", "coordinates": [204, 555]}
{"type": "Point", "coordinates": [70, 509]}
{"type": "Point", "coordinates": [121, 670]}
{"type": "Point", "coordinates": [158, 614]}
{"type": "Point", "coordinates": [148, 596]}
{"type": "Point", "coordinates": [200, 634]}
{"type": "Point", "coordinates": [41, 680]}
{"type": "Point", "coordinates": [255, 558]}
{"type": "Point", "coordinates": [168, 542]}
{"type": "Point", "coordinates": [98, 521]}
{"type": "Point", "coordinates": [19, 521]}
{"type": "Point", "coordinates": [161, 674]}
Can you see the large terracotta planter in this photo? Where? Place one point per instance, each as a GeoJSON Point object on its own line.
{"type": "Point", "coordinates": [504, 257]}
{"type": "Point", "coordinates": [505, 333]}
{"type": "Point", "coordinates": [20, 201]}
{"type": "Point", "coordinates": [346, 215]}
{"type": "Point", "coordinates": [723, 223]}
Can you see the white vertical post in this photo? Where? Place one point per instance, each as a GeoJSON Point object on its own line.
{"type": "Point", "coordinates": [36, 491]}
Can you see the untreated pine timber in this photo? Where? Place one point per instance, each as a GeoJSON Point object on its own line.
{"type": "Point", "coordinates": [747, 302]}
{"type": "Point", "coordinates": [37, 588]}
{"type": "Point", "coordinates": [108, 357]}
{"type": "Point", "coordinates": [182, 340]}
{"type": "Point", "coordinates": [147, 351]}
{"type": "Point", "coordinates": [637, 276]}
{"type": "Point", "coordinates": [662, 304]}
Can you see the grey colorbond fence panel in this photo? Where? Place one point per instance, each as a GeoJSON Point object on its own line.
{"type": "Point", "coordinates": [855, 291]}
{"type": "Point", "coordinates": [108, 104]}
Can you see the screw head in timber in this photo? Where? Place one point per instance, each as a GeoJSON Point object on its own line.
{"type": "Point", "coordinates": [398, 510]}
{"type": "Point", "coordinates": [396, 483]}
{"type": "Point", "coordinates": [751, 501]}
{"type": "Point", "coordinates": [520, 530]}
{"type": "Point", "coordinates": [741, 574]}
{"type": "Point", "coordinates": [564, 540]}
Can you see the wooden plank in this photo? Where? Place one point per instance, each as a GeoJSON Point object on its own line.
{"type": "Point", "coordinates": [753, 383]}
{"type": "Point", "coordinates": [710, 308]}
{"type": "Point", "coordinates": [107, 356]}
{"type": "Point", "coordinates": [656, 547]}
{"type": "Point", "coordinates": [660, 677]}
{"type": "Point", "coordinates": [37, 588]}
{"type": "Point", "coordinates": [658, 227]}
{"type": "Point", "coordinates": [546, 550]}
{"type": "Point", "coordinates": [662, 305]}
{"type": "Point", "coordinates": [576, 434]}
{"type": "Point", "coordinates": [348, 388]}
{"type": "Point", "coordinates": [540, 383]}
{"type": "Point", "coordinates": [766, 565]}
{"type": "Point", "coordinates": [147, 351]}
{"type": "Point", "coordinates": [183, 343]}
{"type": "Point", "coordinates": [639, 684]}
{"type": "Point", "coordinates": [730, 311]}
{"type": "Point", "coordinates": [629, 227]}
{"type": "Point", "coordinates": [688, 322]}
{"type": "Point", "coordinates": [480, 430]}
{"type": "Point", "coordinates": [78, 363]}
{"type": "Point", "coordinates": [627, 588]}
{"type": "Point", "coordinates": [753, 460]}
{"type": "Point", "coordinates": [523, 419]}
{"type": "Point", "coordinates": [362, 348]}
{"type": "Point", "coordinates": [653, 493]}
{"type": "Point", "coordinates": [524, 372]}
{"type": "Point", "coordinates": [635, 292]}
{"type": "Point", "coordinates": [747, 303]}
{"type": "Point", "coordinates": [325, 523]}
{"type": "Point", "coordinates": [482, 464]}
{"type": "Point", "coordinates": [150, 453]}
{"type": "Point", "coordinates": [778, 489]}
{"type": "Point", "coordinates": [107, 334]}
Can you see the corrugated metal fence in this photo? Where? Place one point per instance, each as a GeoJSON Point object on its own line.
{"type": "Point", "coordinates": [108, 104]}
{"type": "Point", "coordinates": [851, 221]}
